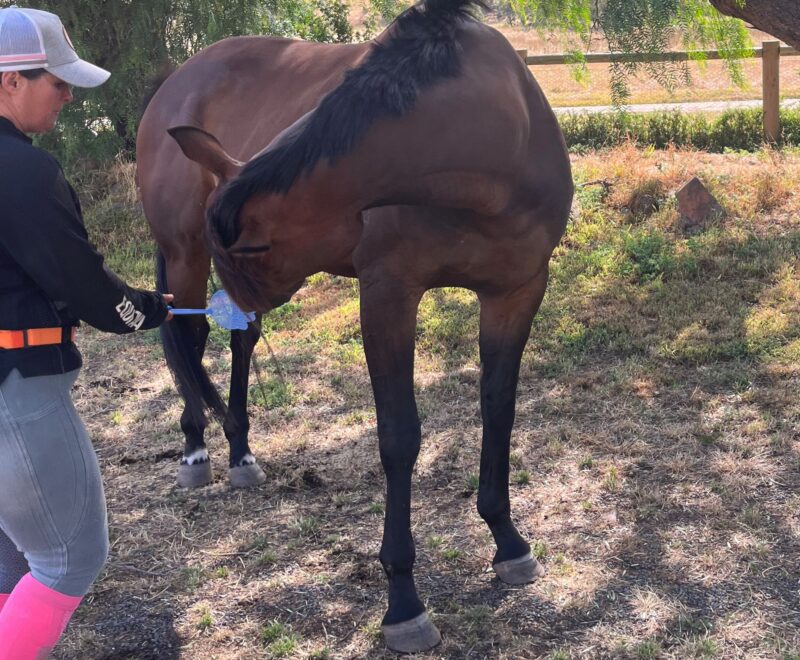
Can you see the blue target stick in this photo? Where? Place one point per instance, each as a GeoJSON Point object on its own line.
{"type": "Point", "coordinates": [223, 310]}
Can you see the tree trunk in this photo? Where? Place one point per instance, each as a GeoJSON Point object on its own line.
{"type": "Point", "coordinates": [780, 18]}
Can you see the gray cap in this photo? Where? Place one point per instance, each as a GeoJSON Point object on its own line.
{"type": "Point", "coordinates": [33, 39]}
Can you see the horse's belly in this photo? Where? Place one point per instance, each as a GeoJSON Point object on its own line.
{"type": "Point", "coordinates": [430, 248]}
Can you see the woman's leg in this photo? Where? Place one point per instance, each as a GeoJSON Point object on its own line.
{"type": "Point", "coordinates": [51, 506]}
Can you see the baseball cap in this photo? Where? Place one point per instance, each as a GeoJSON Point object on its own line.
{"type": "Point", "coordinates": [34, 39]}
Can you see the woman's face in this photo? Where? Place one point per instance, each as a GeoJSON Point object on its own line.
{"type": "Point", "coordinates": [45, 97]}
{"type": "Point", "coordinates": [37, 103]}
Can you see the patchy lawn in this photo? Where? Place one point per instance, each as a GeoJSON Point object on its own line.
{"type": "Point", "coordinates": [655, 464]}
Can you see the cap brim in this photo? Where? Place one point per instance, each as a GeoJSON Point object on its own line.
{"type": "Point", "coordinates": [80, 74]}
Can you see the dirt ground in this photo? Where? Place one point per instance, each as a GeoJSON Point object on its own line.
{"type": "Point", "coordinates": [655, 464]}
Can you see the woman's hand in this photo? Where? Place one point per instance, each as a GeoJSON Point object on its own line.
{"type": "Point", "coordinates": [167, 298]}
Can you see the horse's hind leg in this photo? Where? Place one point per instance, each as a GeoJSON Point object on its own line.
{"type": "Point", "coordinates": [195, 467]}
{"type": "Point", "coordinates": [388, 322]}
{"type": "Point", "coordinates": [184, 340]}
{"type": "Point", "coordinates": [244, 470]}
{"type": "Point", "coordinates": [505, 326]}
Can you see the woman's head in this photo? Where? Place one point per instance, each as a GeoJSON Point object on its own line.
{"type": "Point", "coordinates": [38, 67]}
{"type": "Point", "coordinates": [32, 101]}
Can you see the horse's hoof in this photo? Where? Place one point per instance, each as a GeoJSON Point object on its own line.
{"type": "Point", "coordinates": [195, 475]}
{"type": "Point", "coordinates": [246, 476]}
{"type": "Point", "coordinates": [413, 636]}
{"type": "Point", "coordinates": [521, 570]}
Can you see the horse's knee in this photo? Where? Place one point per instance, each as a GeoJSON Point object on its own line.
{"type": "Point", "coordinates": [244, 341]}
{"type": "Point", "coordinates": [399, 442]}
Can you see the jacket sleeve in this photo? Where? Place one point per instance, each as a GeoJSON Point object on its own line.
{"type": "Point", "coordinates": [41, 226]}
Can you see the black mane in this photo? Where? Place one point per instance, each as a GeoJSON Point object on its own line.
{"type": "Point", "coordinates": [421, 50]}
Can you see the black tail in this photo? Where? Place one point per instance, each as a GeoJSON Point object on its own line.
{"type": "Point", "coordinates": [185, 363]}
{"type": "Point", "coordinates": [164, 71]}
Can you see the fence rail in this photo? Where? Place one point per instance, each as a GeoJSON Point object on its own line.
{"type": "Point", "coordinates": [770, 52]}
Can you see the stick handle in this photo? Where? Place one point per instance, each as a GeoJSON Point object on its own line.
{"type": "Point", "coordinates": [180, 312]}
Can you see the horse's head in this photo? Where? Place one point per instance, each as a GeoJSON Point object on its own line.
{"type": "Point", "coordinates": [265, 242]}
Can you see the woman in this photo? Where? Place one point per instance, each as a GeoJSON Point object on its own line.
{"type": "Point", "coordinates": [53, 528]}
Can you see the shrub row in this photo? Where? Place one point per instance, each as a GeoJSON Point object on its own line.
{"type": "Point", "coordinates": [737, 130]}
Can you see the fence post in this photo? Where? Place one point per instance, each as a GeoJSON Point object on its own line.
{"type": "Point", "coordinates": [523, 53]}
{"type": "Point", "coordinates": [772, 90]}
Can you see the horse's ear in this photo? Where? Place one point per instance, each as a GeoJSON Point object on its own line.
{"type": "Point", "coordinates": [203, 148]}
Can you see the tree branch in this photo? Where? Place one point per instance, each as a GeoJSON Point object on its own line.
{"type": "Point", "coordinates": [780, 18]}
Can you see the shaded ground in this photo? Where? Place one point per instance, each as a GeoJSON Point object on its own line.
{"type": "Point", "coordinates": [656, 463]}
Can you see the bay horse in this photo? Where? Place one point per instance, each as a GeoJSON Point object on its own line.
{"type": "Point", "coordinates": [426, 158]}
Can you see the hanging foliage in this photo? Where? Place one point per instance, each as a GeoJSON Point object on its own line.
{"type": "Point", "coordinates": [135, 39]}
{"type": "Point", "coordinates": [640, 26]}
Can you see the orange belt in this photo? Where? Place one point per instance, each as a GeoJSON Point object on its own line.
{"type": "Point", "coordinates": [36, 337]}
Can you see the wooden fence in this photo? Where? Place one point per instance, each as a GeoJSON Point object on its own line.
{"type": "Point", "coordinates": [770, 52]}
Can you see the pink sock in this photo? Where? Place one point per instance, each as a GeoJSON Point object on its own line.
{"type": "Point", "coordinates": [33, 619]}
{"type": "Point", "coordinates": [3, 599]}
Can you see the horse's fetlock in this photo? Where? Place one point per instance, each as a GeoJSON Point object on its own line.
{"type": "Point", "coordinates": [493, 510]}
{"type": "Point", "coordinates": [196, 457]}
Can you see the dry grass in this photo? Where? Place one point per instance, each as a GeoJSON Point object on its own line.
{"type": "Point", "coordinates": [655, 459]}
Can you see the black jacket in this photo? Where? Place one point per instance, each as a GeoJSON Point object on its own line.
{"type": "Point", "coordinates": [50, 274]}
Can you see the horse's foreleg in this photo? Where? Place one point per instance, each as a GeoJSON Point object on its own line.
{"type": "Point", "coordinates": [244, 470]}
{"type": "Point", "coordinates": [388, 321]}
{"type": "Point", "coordinates": [505, 326]}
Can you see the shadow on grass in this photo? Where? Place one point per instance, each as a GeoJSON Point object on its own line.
{"type": "Point", "coordinates": [650, 357]}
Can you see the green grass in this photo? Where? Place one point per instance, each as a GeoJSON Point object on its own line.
{"type": "Point", "coordinates": [205, 621]}
{"type": "Point", "coordinates": [451, 554]}
{"type": "Point", "coordinates": [278, 639]}
{"type": "Point", "coordinates": [266, 558]}
{"type": "Point", "coordinates": [539, 549]}
{"type": "Point", "coordinates": [275, 393]}
{"type": "Point", "coordinates": [611, 482]}
{"type": "Point", "coordinates": [522, 478]}
{"type": "Point", "coordinates": [434, 542]}
{"type": "Point", "coordinates": [305, 525]}
{"type": "Point", "coordinates": [647, 650]}
{"type": "Point", "coordinates": [189, 578]}
{"type": "Point", "coordinates": [287, 315]}
{"type": "Point", "coordinates": [375, 508]}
